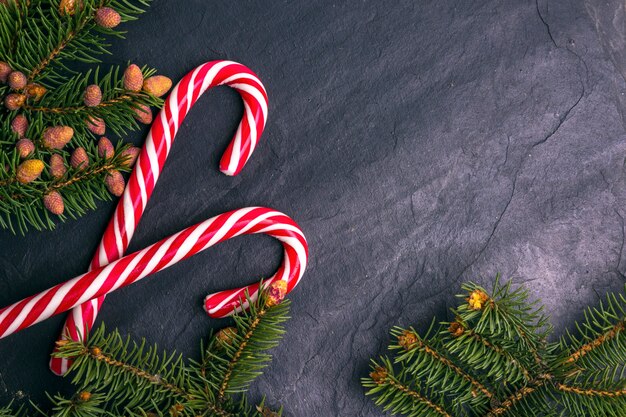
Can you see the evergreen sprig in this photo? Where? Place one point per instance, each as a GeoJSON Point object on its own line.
{"type": "Point", "coordinates": [51, 42]}
{"type": "Point", "coordinates": [494, 359]}
{"type": "Point", "coordinates": [116, 376]}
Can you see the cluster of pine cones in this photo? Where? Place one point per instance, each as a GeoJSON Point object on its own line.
{"type": "Point", "coordinates": [57, 137]}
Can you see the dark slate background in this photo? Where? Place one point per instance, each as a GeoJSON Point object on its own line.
{"type": "Point", "coordinates": [418, 144]}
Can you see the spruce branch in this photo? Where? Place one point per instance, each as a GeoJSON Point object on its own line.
{"type": "Point", "coordinates": [40, 43]}
{"type": "Point", "coordinates": [494, 360]}
{"type": "Point", "coordinates": [116, 376]}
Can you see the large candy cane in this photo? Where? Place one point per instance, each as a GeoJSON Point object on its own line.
{"type": "Point", "coordinates": [154, 258]}
{"type": "Point", "coordinates": [150, 164]}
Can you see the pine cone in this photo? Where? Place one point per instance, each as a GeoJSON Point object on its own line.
{"type": "Point", "coordinates": [107, 17]}
{"type": "Point", "coordinates": [93, 95]}
{"type": "Point", "coordinates": [17, 80]}
{"type": "Point", "coordinates": [57, 137]}
{"type": "Point", "coordinates": [79, 158]}
{"type": "Point", "coordinates": [5, 70]}
{"type": "Point", "coordinates": [276, 293]}
{"type": "Point", "coordinates": [84, 396]}
{"type": "Point", "coordinates": [25, 147]}
{"type": "Point", "coordinates": [53, 202]}
{"type": "Point", "coordinates": [96, 125]}
{"type": "Point", "coordinates": [130, 155]}
{"type": "Point", "coordinates": [68, 7]}
{"type": "Point", "coordinates": [29, 171]}
{"type": "Point", "coordinates": [14, 101]}
{"type": "Point", "coordinates": [57, 166]}
{"type": "Point", "coordinates": [115, 183]}
{"type": "Point", "coordinates": [133, 78]}
{"type": "Point", "coordinates": [35, 91]}
{"type": "Point", "coordinates": [157, 85]}
{"type": "Point", "coordinates": [19, 125]}
{"type": "Point", "coordinates": [143, 114]}
{"type": "Point", "coordinates": [105, 148]}
{"type": "Point", "coordinates": [226, 336]}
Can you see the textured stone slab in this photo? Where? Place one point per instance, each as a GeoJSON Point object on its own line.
{"type": "Point", "coordinates": [418, 144]}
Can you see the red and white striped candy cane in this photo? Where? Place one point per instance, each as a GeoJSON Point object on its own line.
{"type": "Point", "coordinates": [150, 163]}
{"type": "Point", "coordinates": [156, 257]}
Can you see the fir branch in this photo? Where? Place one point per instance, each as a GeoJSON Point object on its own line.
{"type": "Point", "coordinates": [48, 40]}
{"type": "Point", "coordinates": [136, 381]}
{"type": "Point", "coordinates": [240, 350]}
{"type": "Point", "coordinates": [510, 357]}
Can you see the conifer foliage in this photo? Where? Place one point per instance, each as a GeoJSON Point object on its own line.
{"type": "Point", "coordinates": [495, 359]}
{"type": "Point", "coordinates": [115, 376]}
{"type": "Point", "coordinates": [57, 124]}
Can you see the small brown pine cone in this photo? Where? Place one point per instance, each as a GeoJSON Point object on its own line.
{"type": "Point", "coordinates": [107, 17]}
{"type": "Point", "coordinates": [57, 137]}
{"type": "Point", "coordinates": [35, 91]}
{"type": "Point", "coordinates": [276, 293]}
{"type": "Point", "coordinates": [29, 170]}
{"type": "Point", "coordinates": [79, 158]}
{"type": "Point", "coordinates": [96, 125]}
{"type": "Point", "coordinates": [19, 125]}
{"type": "Point", "coordinates": [115, 183]}
{"type": "Point", "coordinates": [53, 202]}
{"type": "Point", "coordinates": [133, 78]}
{"type": "Point", "coordinates": [5, 70]}
{"type": "Point", "coordinates": [57, 166]}
{"type": "Point", "coordinates": [157, 85]}
{"type": "Point", "coordinates": [68, 7]}
{"type": "Point", "coordinates": [14, 101]}
{"type": "Point", "coordinates": [25, 147]}
{"type": "Point", "coordinates": [407, 339]}
{"type": "Point", "coordinates": [226, 336]}
{"type": "Point", "coordinates": [130, 155]}
{"type": "Point", "coordinates": [456, 329]}
{"type": "Point", "coordinates": [379, 375]}
{"type": "Point", "coordinates": [92, 96]}
{"type": "Point", "coordinates": [17, 80]}
{"type": "Point", "coordinates": [84, 396]}
{"type": "Point", "coordinates": [105, 148]}
{"type": "Point", "coordinates": [143, 114]}
{"type": "Point", "coordinates": [477, 300]}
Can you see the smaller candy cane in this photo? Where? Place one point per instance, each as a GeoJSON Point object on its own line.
{"type": "Point", "coordinates": [150, 163]}
{"type": "Point", "coordinates": [154, 258]}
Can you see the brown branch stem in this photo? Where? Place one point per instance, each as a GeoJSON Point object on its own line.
{"type": "Point", "coordinates": [597, 342]}
{"type": "Point", "coordinates": [75, 109]}
{"type": "Point", "coordinates": [590, 392]}
{"type": "Point", "coordinates": [60, 185]}
{"type": "Point", "coordinates": [242, 346]}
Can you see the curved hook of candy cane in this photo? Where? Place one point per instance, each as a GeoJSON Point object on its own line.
{"type": "Point", "coordinates": [150, 163]}
{"type": "Point", "coordinates": [156, 257]}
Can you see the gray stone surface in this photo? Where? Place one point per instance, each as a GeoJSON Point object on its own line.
{"type": "Point", "coordinates": [418, 144]}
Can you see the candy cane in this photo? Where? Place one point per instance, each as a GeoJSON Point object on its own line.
{"type": "Point", "coordinates": [166, 252]}
{"type": "Point", "coordinates": [150, 164]}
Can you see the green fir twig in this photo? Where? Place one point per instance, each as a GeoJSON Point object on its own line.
{"type": "Point", "coordinates": [494, 360]}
